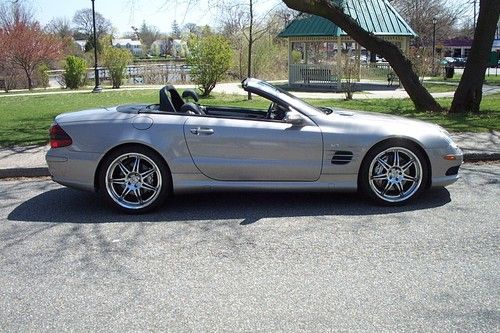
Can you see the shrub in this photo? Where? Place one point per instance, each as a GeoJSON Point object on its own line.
{"type": "Point", "coordinates": [210, 60]}
{"type": "Point", "coordinates": [43, 75]}
{"type": "Point", "coordinates": [116, 61]}
{"type": "Point", "coordinates": [75, 72]}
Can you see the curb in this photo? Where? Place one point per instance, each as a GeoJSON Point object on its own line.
{"type": "Point", "coordinates": [44, 171]}
{"type": "Point", "coordinates": [24, 172]}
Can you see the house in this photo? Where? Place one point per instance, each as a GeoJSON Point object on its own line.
{"type": "Point", "coordinates": [134, 46]}
{"type": "Point", "coordinates": [81, 44]}
{"type": "Point", "coordinates": [457, 47]}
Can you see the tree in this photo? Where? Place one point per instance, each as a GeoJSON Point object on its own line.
{"type": "Point", "coordinates": [192, 29]}
{"type": "Point", "coordinates": [24, 44]}
{"type": "Point", "coordinates": [419, 15]}
{"type": "Point", "coordinates": [176, 30]}
{"type": "Point", "coordinates": [210, 60]}
{"type": "Point", "coordinates": [242, 16]}
{"type": "Point", "coordinates": [148, 34]}
{"type": "Point", "coordinates": [84, 25]}
{"type": "Point", "coordinates": [333, 11]}
{"type": "Point", "coordinates": [116, 61]}
{"type": "Point", "coordinates": [60, 27]}
{"type": "Point", "coordinates": [469, 93]}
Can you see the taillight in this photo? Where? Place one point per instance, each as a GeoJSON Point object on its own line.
{"type": "Point", "coordinates": [58, 137]}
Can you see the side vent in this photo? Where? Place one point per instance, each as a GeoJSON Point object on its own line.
{"type": "Point", "coordinates": [342, 157]}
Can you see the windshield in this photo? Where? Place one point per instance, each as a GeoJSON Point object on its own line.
{"type": "Point", "coordinates": [294, 101]}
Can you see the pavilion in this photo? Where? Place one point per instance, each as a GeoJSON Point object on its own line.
{"type": "Point", "coordinates": [314, 41]}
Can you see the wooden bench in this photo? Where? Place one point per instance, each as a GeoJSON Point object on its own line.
{"type": "Point", "coordinates": [391, 76]}
{"type": "Point", "coordinates": [318, 76]}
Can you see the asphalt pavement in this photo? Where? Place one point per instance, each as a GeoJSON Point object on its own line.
{"type": "Point", "coordinates": [252, 262]}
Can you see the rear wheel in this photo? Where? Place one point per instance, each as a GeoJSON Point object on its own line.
{"type": "Point", "coordinates": [394, 173]}
{"type": "Point", "coordinates": [134, 179]}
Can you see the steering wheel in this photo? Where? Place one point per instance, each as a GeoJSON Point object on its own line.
{"type": "Point", "coordinates": [270, 110]}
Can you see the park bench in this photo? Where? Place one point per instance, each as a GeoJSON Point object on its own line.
{"type": "Point", "coordinates": [318, 76]}
{"type": "Point", "coordinates": [391, 77]}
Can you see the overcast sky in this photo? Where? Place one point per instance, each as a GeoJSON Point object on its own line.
{"type": "Point", "coordinates": [126, 13]}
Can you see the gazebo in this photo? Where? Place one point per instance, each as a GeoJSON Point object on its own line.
{"type": "Point", "coordinates": [314, 42]}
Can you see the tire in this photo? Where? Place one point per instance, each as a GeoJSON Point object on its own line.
{"type": "Point", "coordinates": [394, 173]}
{"type": "Point", "coordinates": [134, 179]}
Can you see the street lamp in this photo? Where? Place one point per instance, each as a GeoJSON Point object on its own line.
{"type": "Point", "coordinates": [97, 87]}
{"type": "Point", "coordinates": [434, 21]}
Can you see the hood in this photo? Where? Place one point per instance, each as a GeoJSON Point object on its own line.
{"type": "Point", "coordinates": [379, 119]}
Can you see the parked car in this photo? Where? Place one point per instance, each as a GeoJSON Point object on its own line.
{"type": "Point", "coordinates": [448, 61]}
{"type": "Point", "coordinates": [459, 62]}
{"type": "Point", "coordinates": [137, 156]}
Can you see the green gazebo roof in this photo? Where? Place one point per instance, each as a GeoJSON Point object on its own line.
{"type": "Point", "coordinates": [376, 16]}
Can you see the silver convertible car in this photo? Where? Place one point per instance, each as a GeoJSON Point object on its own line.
{"type": "Point", "coordinates": [139, 155]}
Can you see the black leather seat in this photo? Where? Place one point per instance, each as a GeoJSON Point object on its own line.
{"type": "Point", "coordinates": [192, 108]}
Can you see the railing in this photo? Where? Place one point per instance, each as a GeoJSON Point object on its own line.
{"type": "Point", "coordinates": [138, 74]}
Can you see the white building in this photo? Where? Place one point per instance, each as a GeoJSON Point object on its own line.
{"type": "Point", "coordinates": [135, 46]}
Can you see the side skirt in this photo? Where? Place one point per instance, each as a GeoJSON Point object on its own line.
{"type": "Point", "coordinates": [187, 183]}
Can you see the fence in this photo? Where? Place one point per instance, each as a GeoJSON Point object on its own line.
{"type": "Point", "coordinates": [137, 74]}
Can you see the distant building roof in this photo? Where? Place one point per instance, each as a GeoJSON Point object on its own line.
{"type": "Point", "coordinates": [376, 16]}
{"type": "Point", "coordinates": [125, 41]}
{"type": "Point", "coordinates": [458, 42]}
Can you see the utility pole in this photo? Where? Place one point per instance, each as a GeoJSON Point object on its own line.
{"type": "Point", "coordinates": [434, 21]}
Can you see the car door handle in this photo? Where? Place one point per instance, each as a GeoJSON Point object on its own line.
{"type": "Point", "coordinates": [202, 131]}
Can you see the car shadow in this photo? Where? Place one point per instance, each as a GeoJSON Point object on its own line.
{"type": "Point", "coordinates": [71, 206]}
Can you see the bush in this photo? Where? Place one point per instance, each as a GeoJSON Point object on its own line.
{"type": "Point", "coordinates": [116, 61]}
{"type": "Point", "coordinates": [43, 75]}
{"type": "Point", "coordinates": [210, 60]}
{"type": "Point", "coordinates": [75, 72]}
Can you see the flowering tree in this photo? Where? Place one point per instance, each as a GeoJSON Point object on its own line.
{"type": "Point", "coordinates": [27, 47]}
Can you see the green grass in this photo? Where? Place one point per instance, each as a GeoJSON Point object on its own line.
{"type": "Point", "coordinates": [491, 80]}
{"type": "Point", "coordinates": [25, 120]}
{"type": "Point", "coordinates": [439, 87]}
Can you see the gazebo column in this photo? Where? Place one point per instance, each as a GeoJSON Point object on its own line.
{"type": "Point", "coordinates": [358, 60]}
{"type": "Point", "coordinates": [306, 52]}
{"type": "Point", "coordinates": [290, 59]}
{"type": "Point", "coordinates": [339, 54]}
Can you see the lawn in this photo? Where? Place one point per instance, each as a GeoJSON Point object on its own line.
{"type": "Point", "coordinates": [25, 119]}
{"type": "Point", "coordinates": [491, 80]}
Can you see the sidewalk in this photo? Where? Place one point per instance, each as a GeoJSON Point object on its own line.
{"type": "Point", "coordinates": [30, 161]}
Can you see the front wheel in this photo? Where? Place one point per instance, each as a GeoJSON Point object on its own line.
{"type": "Point", "coordinates": [394, 173]}
{"type": "Point", "coordinates": [134, 179]}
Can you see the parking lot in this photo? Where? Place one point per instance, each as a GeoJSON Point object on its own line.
{"type": "Point", "coordinates": [252, 261]}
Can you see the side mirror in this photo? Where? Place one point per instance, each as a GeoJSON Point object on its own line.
{"type": "Point", "coordinates": [294, 118]}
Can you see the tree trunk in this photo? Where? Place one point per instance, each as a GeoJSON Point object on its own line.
{"type": "Point", "coordinates": [469, 93]}
{"type": "Point", "coordinates": [330, 10]}
{"type": "Point", "coordinates": [250, 44]}
{"type": "Point", "coordinates": [28, 76]}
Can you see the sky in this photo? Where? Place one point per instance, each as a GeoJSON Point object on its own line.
{"type": "Point", "coordinates": [126, 13]}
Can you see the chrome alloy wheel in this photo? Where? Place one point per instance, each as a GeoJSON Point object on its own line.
{"type": "Point", "coordinates": [395, 174]}
{"type": "Point", "coordinates": [133, 181]}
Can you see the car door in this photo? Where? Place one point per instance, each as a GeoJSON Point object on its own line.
{"type": "Point", "coordinates": [254, 150]}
